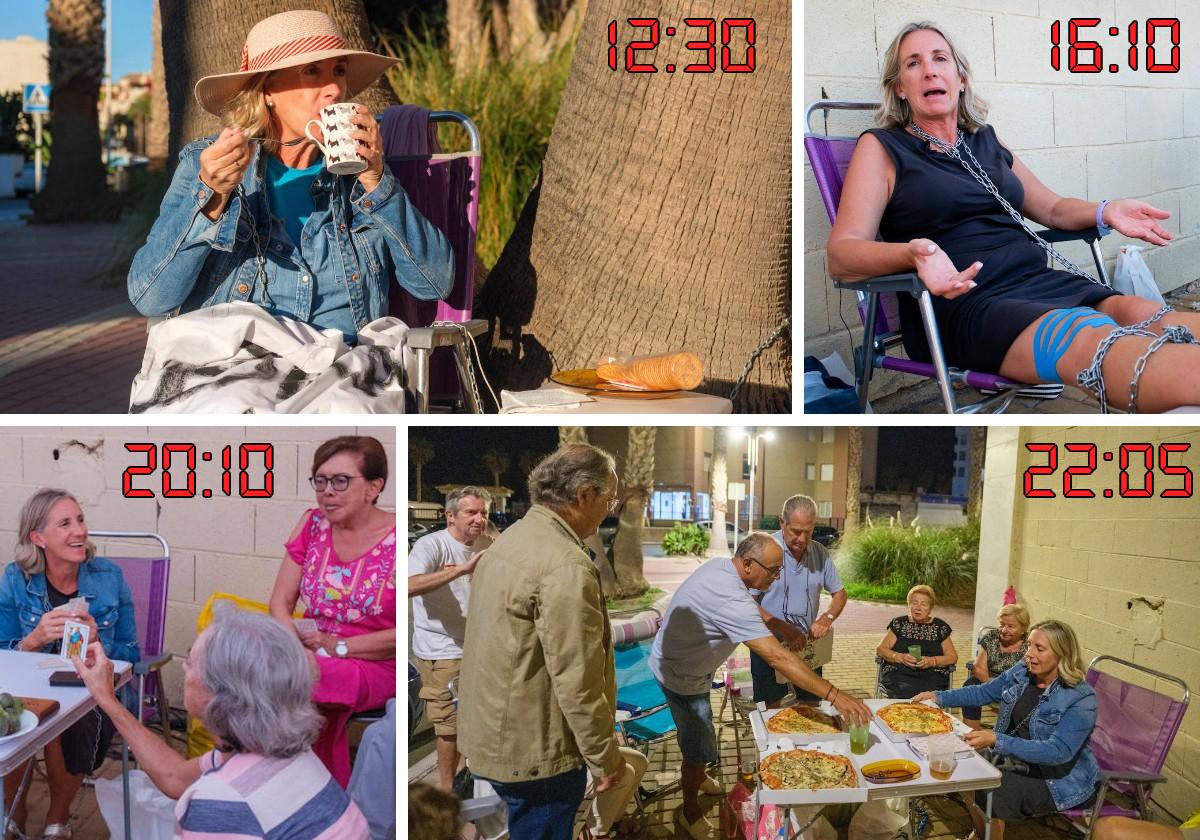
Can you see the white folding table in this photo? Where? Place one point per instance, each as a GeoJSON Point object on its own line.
{"type": "Point", "coordinates": [21, 676]}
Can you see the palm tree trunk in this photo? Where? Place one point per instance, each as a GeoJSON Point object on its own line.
{"type": "Point", "coordinates": [662, 218]}
{"type": "Point", "coordinates": [639, 479]}
{"type": "Point", "coordinates": [203, 38]}
{"type": "Point", "coordinates": [159, 133]}
{"type": "Point", "coordinates": [571, 434]}
{"type": "Point", "coordinates": [975, 479]}
{"type": "Point", "coordinates": [719, 545]}
{"type": "Point", "coordinates": [854, 458]}
{"type": "Point", "coordinates": [464, 29]}
{"type": "Point", "coordinates": [76, 186]}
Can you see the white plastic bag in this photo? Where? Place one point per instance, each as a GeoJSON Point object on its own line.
{"type": "Point", "coordinates": [880, 819]}
{"type": "Point", "coordinates": [1133, 276]}
{"type": "Point", "coordinates": [151, 812]}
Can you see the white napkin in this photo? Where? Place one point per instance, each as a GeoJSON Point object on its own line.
{"type": "Point", "coordinates": [542, 399]}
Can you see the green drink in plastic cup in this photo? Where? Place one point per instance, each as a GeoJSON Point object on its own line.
{"type": "Point", "coordinates": [860, 738]}
{"type": "Point", "coordinates": [915, 652]}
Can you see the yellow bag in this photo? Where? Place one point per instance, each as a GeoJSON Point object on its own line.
{"type": "Point", "coordinates": [198, 740]}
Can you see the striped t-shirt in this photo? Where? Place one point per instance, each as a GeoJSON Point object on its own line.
{"type": "Point", "coordinates": [252, 796]}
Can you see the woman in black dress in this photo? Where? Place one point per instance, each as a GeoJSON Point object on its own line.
{"type": "Point", "coordinates": [901, 675]}
{"type": "Point", "coordinates": [909, 185]}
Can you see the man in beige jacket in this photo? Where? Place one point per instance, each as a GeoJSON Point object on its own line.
{"type": "Point", "coordinates": [538, 685]}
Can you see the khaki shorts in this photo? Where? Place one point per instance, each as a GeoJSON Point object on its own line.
{"type": "Point", "coordinates": [435, 691]}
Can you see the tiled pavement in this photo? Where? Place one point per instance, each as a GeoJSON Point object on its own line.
{"type": "Point", "coordinates": [66, 345]}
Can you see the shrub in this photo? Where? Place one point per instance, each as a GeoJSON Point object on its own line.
{"type": "Point", "coordinates": [685, 539]}
{"type": "Point", "coordinates": [768, 523]}
{"type": "Point", "coordinates": [513, 104]}
{"type": "Point", "coordinates": [888, 559]}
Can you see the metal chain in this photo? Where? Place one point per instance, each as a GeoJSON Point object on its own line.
{"type": "Point", "coordinates": [758, 351]}
{"type": "Point", "coordinates": [978, 173]}
{"type": "Point", "coordinates": [260, 275]}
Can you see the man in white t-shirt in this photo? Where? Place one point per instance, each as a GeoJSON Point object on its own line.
{"type": "Point", "coordinates": [709, 615]}
{"type": "Point", "coordinates": [438, 567]}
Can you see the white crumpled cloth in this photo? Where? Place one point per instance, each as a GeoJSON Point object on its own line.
{"type": "Point", "coordinates": [238, 358]}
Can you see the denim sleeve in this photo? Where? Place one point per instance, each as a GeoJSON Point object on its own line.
{"type": "Point", "coordinates": [10, 624]}
{"type": "Point", "coordinates": [166, 268]}
{"type": "Point", "coordinates": [420, 252]}
{"type": "Point", "coordinates": [975, 695]}
{"type": "Point", "coordinates": [1073, 730]}
{"type": "Point", "coordinates": [125, 643]}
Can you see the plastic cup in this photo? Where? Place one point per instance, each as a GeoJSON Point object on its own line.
{"type": "Point", "coordinates": [860, 737]}
{"type": "Point", "coordinates": [915, 652]}
{"type": "Point", "coordinates": [942, 759]}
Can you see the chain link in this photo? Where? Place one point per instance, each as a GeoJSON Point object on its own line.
{"type": "Point", "coordinates": [260, 274]}
{"type": "Point", "coordinates": [758, 351]}
{"type": "Point", "coordinates": [977, 172]}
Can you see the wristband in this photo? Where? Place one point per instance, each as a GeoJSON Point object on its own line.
{"type": "Point", "coordinates": [1104, 229]}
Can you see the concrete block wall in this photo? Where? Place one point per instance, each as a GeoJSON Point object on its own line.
{"type": "Point", "coordinates": [218, 544]}
{"type": "Point", "coordinates": [1123, 572]}
{"type": "Point", "coordinates": [1131, 134]}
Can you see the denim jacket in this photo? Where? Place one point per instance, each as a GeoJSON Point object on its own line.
{"type": "Point", "coordinates": [23, 602]}
{"type": "Point", "coordinates": [353, 238]}
{"type": "Point", "coordinates": [1059, 730]}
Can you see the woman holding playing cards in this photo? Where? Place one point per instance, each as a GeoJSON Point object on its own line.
{"type": "Point", "coordinates": [341, 558]}
{"type": "Point", "coordinates": [256, 214]}
{"type": "Point", "coordinates": [57, 588]}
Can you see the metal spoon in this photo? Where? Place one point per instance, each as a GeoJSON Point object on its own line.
{"type": "Point", "coordinates": [281, 142]}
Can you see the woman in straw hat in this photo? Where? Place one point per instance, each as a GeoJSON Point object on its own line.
{"type": "Point", "coordinates": [253, 215]}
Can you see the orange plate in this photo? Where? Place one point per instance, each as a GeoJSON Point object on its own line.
{"type": "Point", "coordinates": [891, 771]}
{"type": "Point", "coordinates": [586, 378]}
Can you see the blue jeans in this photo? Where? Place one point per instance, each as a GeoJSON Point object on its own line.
{"type": "Point", "coordinates": [543, 809]}
{"type": "Point", "coordinates": [766, 690]}
{"type": "Point", "coordinates": [694, 730]}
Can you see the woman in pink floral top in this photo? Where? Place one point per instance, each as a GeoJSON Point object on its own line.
{"type": "Point", "coordinates": [341, 559]}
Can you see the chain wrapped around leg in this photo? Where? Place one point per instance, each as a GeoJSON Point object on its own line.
{"type": "Point", "coordinates": [1173, 334]}
{"type": "Point", "coordinates": [1092, 377]}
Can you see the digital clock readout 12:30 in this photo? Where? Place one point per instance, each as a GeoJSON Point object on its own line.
{"type": "Point", "coordinates": [1078, 46]}
{"type": "Point", "coordinates": [1137, 463]}
{"type": "Point", "coordinates": [178, 464]}
{"type": "Point", "coordinates": [736, 51]}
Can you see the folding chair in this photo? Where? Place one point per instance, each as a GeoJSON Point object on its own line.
{"type": "Point", "coordinates": [444, 187]}
{"type": "Point", "coordinates": [643, 717]}
{"type": "Point", "coordinates": [878, 305]}
{"type": "Point", "coordinates": [1135, 727]}
{"type": "Point", "coordinates": [879, 692]}
{"type": "Point", "coordinates": [148, 579]}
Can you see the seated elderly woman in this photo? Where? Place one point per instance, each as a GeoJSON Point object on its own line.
{"type": "Point", "coordinates": [251, 215]}
{"type": "Point", "coordinates": [55, 577]}
{"type": "Point", "coordinates": [1000, 648]}
{"type": "Point", "coordinates": [262, 777]}
{"type": "Point", "coordinates": [1040, 743]}
{"type": "Point", "coordinates": [901, 674]}
{"type": "Point", "coordinates": [934, 190]}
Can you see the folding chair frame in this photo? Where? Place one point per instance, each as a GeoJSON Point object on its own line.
{"type": "Point", "coordinates": [873, 352]}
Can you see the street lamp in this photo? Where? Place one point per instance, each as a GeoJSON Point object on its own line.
{"type": "Point", "coordinates": [753, 439]}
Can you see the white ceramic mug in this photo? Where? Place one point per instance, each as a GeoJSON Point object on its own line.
{"type": "Point", "coordinates": [340, 147]}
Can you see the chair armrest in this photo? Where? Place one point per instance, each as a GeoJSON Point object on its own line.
{"type": "Point", "coordinates": [908, 282]}
{"type": "Point", "coordinates": [427, 338]}
{"type": "Point", "coordinates": [153, 663]}
{"type": "Point", "coordinates": [1088, 235]}
{"type": "Point", "coordinates": [1132, 776]}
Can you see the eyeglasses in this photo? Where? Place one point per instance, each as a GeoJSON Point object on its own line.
{"type": "Point", "coordinates": [614, 501]}
{"type": "Point", "coordinates": [774, 573]}
{"type": "Point", "coordinates": [338, 482]}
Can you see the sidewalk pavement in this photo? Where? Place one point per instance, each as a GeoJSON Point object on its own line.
{"type": "Point", "coordinates": [66, 345]}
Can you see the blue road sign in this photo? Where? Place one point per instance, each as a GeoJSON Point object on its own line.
{"type": "Point", "coordinates": [36, 99]}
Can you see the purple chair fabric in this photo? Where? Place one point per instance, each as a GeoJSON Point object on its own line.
{"type": "Point", "coordinates": [1135, 727]}
{"type": "Point", "coordinates": [445, 189]}
{"type": "Point", "coordinates": [148, 578]}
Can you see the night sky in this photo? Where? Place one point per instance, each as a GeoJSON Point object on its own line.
{"type": "Point", "coordinates": [458, 454]}
{"type": "Point", "coordinates": [911, 457]}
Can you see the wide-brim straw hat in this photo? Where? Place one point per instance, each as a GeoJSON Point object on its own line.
{"type": "Point", "coordinates": [290, 39]}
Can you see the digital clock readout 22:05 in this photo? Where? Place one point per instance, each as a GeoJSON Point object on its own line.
{"type": "Point", "coordinates": [1137, 464]}
{"type": "Point", "coordinates": [255, 470]}
{"type": "Point", "coordinates": [736, 50]}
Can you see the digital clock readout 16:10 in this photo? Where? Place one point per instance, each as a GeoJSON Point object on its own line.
{"type": "Point", "coordinates": [1078, 44]}
{"type": "Point", "coordinates": [734, 31]}
{"type": "Point", "coordinates": [1137, 464]}
{"type": "Point", "coordinates": [181, 457]}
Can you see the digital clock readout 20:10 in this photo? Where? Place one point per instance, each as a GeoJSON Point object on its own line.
{"type": "Point", "coordinates": [182, 458]}
{"type": "Point", "coordinates": [1134, 458]}
{"type": "Point", "coordinates": [1076, 45]}
{"type": "Point", "coordinates": [706, 46]}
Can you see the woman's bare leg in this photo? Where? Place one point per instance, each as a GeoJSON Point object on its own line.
{"type": "Point", "coordinates": [1128, 309]}
{"type": "Point", "coordinates": [63, 785]}
{"type": "Point", "coordinates": [1171, 377]}
{"type": "Point", "coordinates": [12, 781]}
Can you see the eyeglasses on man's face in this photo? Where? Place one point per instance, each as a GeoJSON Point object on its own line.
{"type": "Point", "coordinates": [774, 573]}
{"type": "Point", "coordinates": [614, 501]}
{"type": "Point", "coordinates": [337, 482]}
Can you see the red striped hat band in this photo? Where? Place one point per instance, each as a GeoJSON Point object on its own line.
{"type": "Point", "coordinates": [289, 49]}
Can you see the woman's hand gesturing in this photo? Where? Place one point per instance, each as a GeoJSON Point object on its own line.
{"type": "Point", "coordinates": [938, 273]}
{"type": "Point", "coordinates": [1138, 220]}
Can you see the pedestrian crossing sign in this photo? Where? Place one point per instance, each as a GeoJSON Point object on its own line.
{"type": "Point", "coordinates": [36, 99]}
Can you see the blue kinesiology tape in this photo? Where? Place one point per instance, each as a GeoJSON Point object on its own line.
{"type": "Point", "coordinates": [1055, 334]}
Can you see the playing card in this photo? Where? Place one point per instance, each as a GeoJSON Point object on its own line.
{"type": "Point", "coordinates": [305, 625]}
{"type": "Point", "coordinates": [74, 640]}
